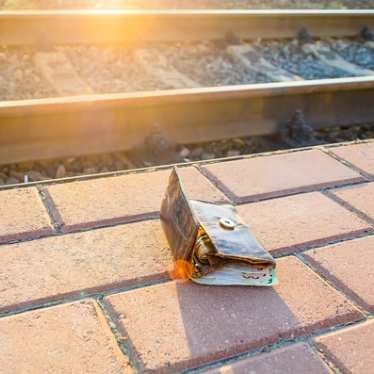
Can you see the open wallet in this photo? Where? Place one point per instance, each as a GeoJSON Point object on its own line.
{"type": "Point", "coordinates": [210, 243]}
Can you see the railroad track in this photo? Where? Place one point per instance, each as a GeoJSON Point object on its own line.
{"type": "Point", "coordinates": [186, 109]}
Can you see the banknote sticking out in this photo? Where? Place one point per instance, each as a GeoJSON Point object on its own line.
{"type": "Point", "coordinates": [210, 243]}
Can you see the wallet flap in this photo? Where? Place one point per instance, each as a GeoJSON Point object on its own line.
{"type": "Point", "coordinates": [229, 235]}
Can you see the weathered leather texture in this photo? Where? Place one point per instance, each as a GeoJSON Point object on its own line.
{"type": "Point", "coordinates": [177, 219]}
{"type": "Point", "coordinates": [181, 219]}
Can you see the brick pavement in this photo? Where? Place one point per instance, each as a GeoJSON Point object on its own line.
{"type": "Point", "coordinates": [22, 215]}
{"type": "Point", "coordinates": [297, 358]}
{"type": "Point", "coordinates": [85, 286]}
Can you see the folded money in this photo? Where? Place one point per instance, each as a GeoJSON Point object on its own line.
{"type": "Point", "coordinates": [210, 243]}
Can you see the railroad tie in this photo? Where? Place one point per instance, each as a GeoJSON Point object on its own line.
{"type": "Point", "coordinates": [252, 61]}
{"type": "Point", "coordinates": [156, 65]}
{"type": "Point", "coordinates": [57, 69]}
{"type": "Point", "coordinates": [333, 59]}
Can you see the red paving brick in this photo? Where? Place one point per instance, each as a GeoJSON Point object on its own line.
{"type": "Point", "coordinates": [22, 215]}
{"type": "Point", "coordinates": [350, 265]}
{"type": "Point", "coordinates": [351, 349]}
{"type": "Point", "coordinates": [359, 155]}
{"type": "Point", "coordinates": [72, 338]}
{"type": "Point", "coordinates": [180, 324]}
{"type": "Point", "coordinates": [53, 267]}
{"type": "Point", "coordinates": [300, 221]}
{"type": "Point", "coordinates": [296, 359]}
{"type": "Point", "coordinates": [111, 200]}
{"type": "Point", "coordinates": [360, 197]}
{"type": "Point", "coordinates": [263, 177]}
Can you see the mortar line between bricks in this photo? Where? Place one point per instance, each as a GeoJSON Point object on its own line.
{"type": "Point", "coordinates": [330, 364]}
{"type": "Point", "coordinates": [125, 345]}
{"type": "Point", "coordinates": [140, 218]}
{"type": "Point", "coordinates": [54, 234]}
{"type": "Point", "coordinates": [78, 296]}
{"type": "Point", "coordinates": [348, 164]}
{"type": "Point", "coordinates": [151, 216]}
{"type": "Point", "coordinates": [272, 347]}
{"type": "Point", "coordinates": [348, 143]}
{"type": "Point", "coordinates": [324, 242]}
{"type": "Point", "coordinates": [336, 287]}
{"type": "Point", "coordinates": [252, 199]}
{"type": "Point", "coordinates": [299, 191]}
{"type": "Point", "coordinates": [338, 284]}
{"type": "Point", "coordinates": [278, 344]}
{"type": "Point", "coordinates": [216, 182]}
{"type": "Point", "coordinates": [110, 222]}
{"type": "Point", "coordinates": [349, 207]}
{"type": "Point", "coordinates": [118, 173]}
{"type": "Point", "coordinates": [285, 251]}
{"type": "Point", "coordinates": [83, 294]}
{"type": "Point", "coordinates": [150, 169]}
{"type": "Point", "coordinates": [337, 366]}
{"type": "Point", "coordinates": [57, 222]}
{"type": "Point", "coordinates": [106, 291]}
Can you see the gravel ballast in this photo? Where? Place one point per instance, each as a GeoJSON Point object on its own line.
{"type": "Point", "coordinates": [206, 63]}
{"type": "Point", "coordinates": [110, 69]}
{"type": "Point", "coordinates": [115, 69]}
{"type": "Point", "coordinates": [354, 52]}
{"type": "Point", "coordinates": [291, 57]}
{"type": "Point", "coordinates": [19, 79]}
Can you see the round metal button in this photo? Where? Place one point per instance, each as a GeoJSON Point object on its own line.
{"type": "Point", "coordinates": [227, 223]}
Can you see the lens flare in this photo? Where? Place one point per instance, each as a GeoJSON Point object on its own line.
{"type": "Point", "coordinates": [182, 270]}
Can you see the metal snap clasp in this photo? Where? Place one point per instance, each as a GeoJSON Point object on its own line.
{"type": "Point", "coordinates": [227, 223]}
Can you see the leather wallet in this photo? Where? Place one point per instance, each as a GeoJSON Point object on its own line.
{"type": "Point", "coordinates": [210, 242]}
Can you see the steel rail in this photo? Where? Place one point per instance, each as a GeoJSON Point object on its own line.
{"type": "Point", "coordinates": [62, 127]}
{"type": "Point", "coordinates": [137, 27]}
{"type": "Point", "coordinates": [71, 126]}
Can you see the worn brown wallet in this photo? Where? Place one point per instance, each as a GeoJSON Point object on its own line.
{"type": "Point", "coordinates": [210, 243]}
